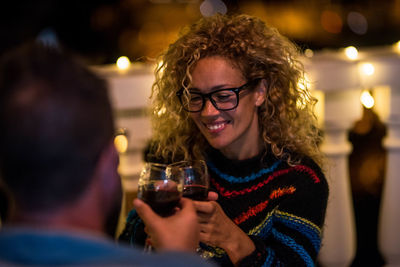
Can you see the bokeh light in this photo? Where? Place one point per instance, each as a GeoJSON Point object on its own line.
{"type": "Point", "coordinates": [123, 63]}
{"type": "Point", "coordinates": [367, 69]}
{"type": "Point", "coordinates": [121, 141]}
{"type": "Point", "coordinates": [357, 23]}
{"type": "Point", "coordinates": [397, 46]}
{"type": "Point", "coordinates": [211, 7]}
{"type": "Point", "coordinates": [331, 21]}
{"type": "Point", "coordinates": [308, 53]}
{"type": "Point", "coordinates": [351, 52]}
{"type": "Point", "coordinates": [367, 99]}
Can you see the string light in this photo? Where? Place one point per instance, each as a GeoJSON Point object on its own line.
{"type": "Point", "coordinates": [367, 69]}
{"type": "Point", "coordinates": [367, 99]}
{"type": "Point", "coordinates": [121, 141]}
{"type": "Point", "coordinates": [308, 53]}
{"type": "Point", "coordinates": [397, 46]}
{"type": "Point", "coordinates": [351, 52]}
{"type": "Point", "coordinates": [123, 63]}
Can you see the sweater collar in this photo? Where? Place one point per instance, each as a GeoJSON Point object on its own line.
{"type": "Point", "coordinates": [240, 167]}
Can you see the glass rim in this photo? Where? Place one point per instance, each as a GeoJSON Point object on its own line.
{"type": "Point", "coordinates": [156, 164]}
{"type": "Point", "coordinates": [183, 163]}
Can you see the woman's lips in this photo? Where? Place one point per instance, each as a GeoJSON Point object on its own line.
{"type": "Point", "coordinates": [216, 127]}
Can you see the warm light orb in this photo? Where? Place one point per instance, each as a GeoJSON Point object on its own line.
{"type": "Point", "coordinates": [367, 69]}
{"type": "Point", "coordinates": [123, 63]}
{"type": "Point", "coordinates": [121, 143]}
{"type": "Point", "coordinates": [351, 52]}
{"type": "Point", "coordinates": [331, 21]}
{"type": "Point", "coordinates": [397, 45]}
{"type": "Point", "coordinates": [367, 99]}
{"type": "Point", "coordinates": [308, 53]}
{"type": "Point", "coordinates": [211, 7]}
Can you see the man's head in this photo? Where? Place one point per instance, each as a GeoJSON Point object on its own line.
{"type": "Point", "coordinates": [56, 121]}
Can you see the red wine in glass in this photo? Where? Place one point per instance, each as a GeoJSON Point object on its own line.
{"type": "Point", "coordinates": [163, 202]}
{"type": "Point", "coordinates": [195, 192]}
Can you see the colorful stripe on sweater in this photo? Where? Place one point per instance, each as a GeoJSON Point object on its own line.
{"type": "Point", "coordinates": [281, 206]}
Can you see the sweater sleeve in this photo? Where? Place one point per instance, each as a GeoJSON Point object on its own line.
{"type": "Point", "coordinates": [291, 233]}
{"type": "Point", "coordinates": [133, 234]}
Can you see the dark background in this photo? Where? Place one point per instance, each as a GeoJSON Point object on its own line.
{"type": "Point", "coordinates": [103, 30]}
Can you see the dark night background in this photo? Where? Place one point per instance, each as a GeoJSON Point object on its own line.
{"type": "Point", "coordinates": [101, 31]}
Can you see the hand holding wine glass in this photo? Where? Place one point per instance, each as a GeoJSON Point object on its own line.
{"type": "Point", "coordinates": [160, 190]}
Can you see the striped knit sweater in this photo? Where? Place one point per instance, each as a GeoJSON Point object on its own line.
{"type": "Point", "coordinates": [280, 207]}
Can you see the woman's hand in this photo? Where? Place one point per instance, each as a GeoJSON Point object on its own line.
{"type": "Point", "coordinates": [216, 229]}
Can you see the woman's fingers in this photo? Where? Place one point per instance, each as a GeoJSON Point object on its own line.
{"type": "Point", "coordinates": [212, 196]}
{"type": "Point", "coordinates": [205, 206]}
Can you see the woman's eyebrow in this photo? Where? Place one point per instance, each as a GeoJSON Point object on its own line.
{"type": "Point", "coordinates": [214, 88]}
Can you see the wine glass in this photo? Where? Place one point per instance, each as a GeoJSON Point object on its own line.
{"type": "Point", "coordinates": [160, 190]}
{"type": "Point", "coordinates": [195, 183]}
{"type": "Point", "coordinates": [195, 178]}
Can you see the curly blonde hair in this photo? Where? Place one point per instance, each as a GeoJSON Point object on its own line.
{"type": "Point", "coordinates": [286, 119]}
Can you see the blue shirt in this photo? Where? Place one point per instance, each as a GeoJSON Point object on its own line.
{"type": "Point", "coordinates": [27, 246]}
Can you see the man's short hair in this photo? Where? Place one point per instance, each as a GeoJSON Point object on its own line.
{"type": "Point", "coordinates": [55, 119]}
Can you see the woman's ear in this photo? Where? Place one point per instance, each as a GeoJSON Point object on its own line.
{"type": "Point", "coordinates": [261, 92]}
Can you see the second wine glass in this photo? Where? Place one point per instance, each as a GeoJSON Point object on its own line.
{"type": "Point", "coordinates": [195, 184]}
{"type": "Point", "coordinates": [195, 178]}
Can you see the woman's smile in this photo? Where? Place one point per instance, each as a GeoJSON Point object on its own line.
{"type": "Point", "coordinates": [216, 127]}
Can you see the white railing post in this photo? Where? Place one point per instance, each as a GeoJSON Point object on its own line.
{"type": "Point", "coordinates": [386, 64]}
{"type": "Point", "coordinates": [342, 108]}
{"type": "Point", "coordinates": [338, 79]}
{"type": "Point", "coordinates": [389, 218]}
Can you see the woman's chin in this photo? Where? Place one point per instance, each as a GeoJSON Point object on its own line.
{"type": "Point", "coordinates": [218, 144]}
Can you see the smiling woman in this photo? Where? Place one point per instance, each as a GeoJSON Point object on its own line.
{"type": "Point", "coordinates": [229, 88]}
{"type": "Point", "coordinates": [233, 130]}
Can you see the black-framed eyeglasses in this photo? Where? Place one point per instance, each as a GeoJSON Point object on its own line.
{"type": "Point", "coordinates": [222, 99]}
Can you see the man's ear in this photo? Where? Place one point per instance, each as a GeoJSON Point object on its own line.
{"type": "Point", "coordinates": [107, 167]}
{"type": "Point", "coordinates": [261, 92]}
{"type": "Point", "coordinates": [110, 187]}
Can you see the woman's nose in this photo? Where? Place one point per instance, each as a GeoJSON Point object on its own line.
{"type": "Point", "coordinates": [209, 109]}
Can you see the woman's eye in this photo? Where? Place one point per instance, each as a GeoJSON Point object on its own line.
{"type": "Point", "coordinates": [195, 98]}
{"type": "Point", "coordinates": [223, 96]}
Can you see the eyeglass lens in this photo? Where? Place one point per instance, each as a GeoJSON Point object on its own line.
{"type": "Point", "coordinates": [222, 99]}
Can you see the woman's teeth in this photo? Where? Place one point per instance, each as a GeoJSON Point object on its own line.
{"type": "Point", "coordinates": [215, 126]}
